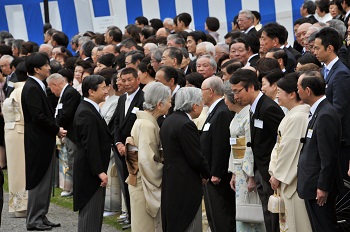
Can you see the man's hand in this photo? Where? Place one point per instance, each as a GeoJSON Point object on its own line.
{"type": "Point", "coordinates": [321, 197]}
{"type": "Point", "coordinates": [251, 184]}
{"type": "Point", "coordinates": [204, 181]}
{"type": "Point", "coordinates": [62, 133]}
{"type": "Point", "coordinates": [233, 182]}
{"type": "Point", "coordinates": [215, 180]}
{"type": "Point", "coordinates": [349, 169]}
{"type": "Point", "coordinates": [121, 149]}
{"type": "Point", "coordinates": [274, 183]}
{"type": "Point", "coordinates": [104, 179]}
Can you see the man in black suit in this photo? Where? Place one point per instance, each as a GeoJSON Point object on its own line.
{"type": "Point", "coordinates": [8, 70]}
{"type": "Point", "coordinates": [184, 165]}
{"type": "Point", "coordinates": [246, 22]}
{"type": "Point", "coordinates": [346, 7]}
{"type": "Point", "coordinates": [40, 130]}
{"type": "Point", "coordinates": [337, 77]}
{"type": "Point", "coordinates": [274, 36]}
{"type": "Point", "coordinates": [91, 162]}
{"type": "Point", "coordinates": [69, 99]}
{"type": "Point", "coordinates": [307, 10]}
{"type": "Point", "coordinates": [319, 178]}
{"type": "Point", "coordinates": [128, 104]}
{"type": "Point", "coordinates": [266, 115]}
{"type": "Point", "coordinates": [219, 198]}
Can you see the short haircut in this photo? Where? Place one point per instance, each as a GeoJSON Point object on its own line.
{"type": "Point", "coordinates": [55, 66]}
{"type": "Point", "coordinates": [148, 31]}
{"type": "Point", "coordinates": [157, 54]}
{"type": "Point", "coordinates": [322, 5]}
{"type": "Point", "coordinates": [185, 18]}
{"type": "Point", "coordinates": [264, 64]}
{"type": "Point", "coordinates": [257, 15]}
{"type": "Point", "coordinates": [175, 53]}
{"type": "Point", "coordinates": [330, 36]}
{"type": "Point", "coordinates": [107, 73]}
{"type": "Point", "coordinates": [156, 23]}
{"type": "Point", "coordinates": [228, 92]}
{"type": "Point", "coordinates": [248, 13]}
{"type": "Point", "coordinates": [36, 60]}
{"type": "Point", "coordinates": [279, 53]}
{"type": "Point", "coordinates": [339, 26]}
{"type": "Point", "coordinates": [91, 82]}
{"type": "Point", "coordinates": [315, 81]}
{"type": "Point", "coordinates": [55, 77]}
{"type": "Point", "coordinates": [275, 30]}
{"type": "Point", "coordinates": [128, 43]}
{"type": "Point", "coordinates": [67, 73]}
{"type": "Point", "coordinates": [195, 79]}
{"type": "Point", "coordinates": [310, 7]}
{"type": "Point", "coordinates": [107, 59]}
{"type": "Point", "coordinates": [213, 23]}
{"type": "Point", "coordinates": [211, 61]}
{"type": "Point", "coordinates": [170, 72]}
{"type": "Point", "coordinates": [60, 38]}
{"type": "Point", "coordinates": [21, 71]}
{"type": "Point", "coordinates": [83, 63]}
{"type": "Point", "coordinates": [177, 39]}
{"type": "Point", "coordinates": [186, 97]}
{"type": "Point", "coordinates": [87, 48]}
{"type": "Point", "coordinates": [216, 85]}
{"type": "Point", "coordinates": [273, 76]}
{"type": "Point", "coordinates": [301, 21]}
{"type": "Point", "coordinates": [116, 34]}
{"type": "Point", "coordinates": [309, 58]}
{"type": "Point", "coordinates": [289, 84]}
{"type": "Point", "coordinates": [198, 35]}
{"type": "Point", "coordinates": [5, 50]}
{"type": "Point", "coordinates": [129, 71]}
{"type": "Point", "coordinates": [247, 77]}
{"type": "Point", "coordinates": [75, 39]}
{"type": "Point", "coordinates": [209, 47]}
{"type": "Point", "coordinates": [135, 56]}
{"type": "Point", "coordinates": [233, 67]}
{"type": "Point", "coordinates": [142, 20]}
{"type": "Point", "coordinates": [156, 92]}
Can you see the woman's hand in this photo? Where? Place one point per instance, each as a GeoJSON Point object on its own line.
{"type": "Point", "coordinates": [274, 183]}
{"type": "Point", "coordinates": [251, 184]}
{"type": "Point", "coordinates": [233, 182]}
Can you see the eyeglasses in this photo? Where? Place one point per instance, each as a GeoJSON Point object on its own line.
{"type": "Point", "coordinates": [4, 65]}
{"type": "Point", "coordinates": [206, 89]}
{"type": "Point", "coordinates": [237, 92]}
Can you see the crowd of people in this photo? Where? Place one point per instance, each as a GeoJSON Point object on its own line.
{"type": "Point", "coordinates": [150, 120]}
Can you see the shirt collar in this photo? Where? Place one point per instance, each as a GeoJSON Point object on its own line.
{"type": "Point", "coordinates": [63, 90]}
{"type": "Point", "coordinates": [211, 108]}
{"type": "Point", "coordinates": [93, 103]}
{"type": "Point", "coordinates": [175, 90]}
{"type": "Point", "coordinates": [189, 116]}
{"type": "Point", "coordinates": [330, 65]}
{"type": "Point", "coordinates": [246, 31]}
{"type": "Point", "coordinates": [253, 106]}
{"type": "Point", "coordinates": [315, 105]}
{"type": "Point", "coordinates": [40, 82]}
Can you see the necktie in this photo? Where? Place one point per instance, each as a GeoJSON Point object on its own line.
{"type": "Point", "coordinates": [251, 116]}
{"type": "Point", "coordinates": [127, 104]}
{"type": "Point", "coordinates": [310, 116]}
{"type": "Point", "coordinates": [325, 73]}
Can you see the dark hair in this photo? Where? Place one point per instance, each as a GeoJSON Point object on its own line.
{"type": "Point", "coordinates": [129, 71]}
{"type": "Point", "coordinates": [36, 60]}
{"type": "Point", "coordinates": [60, 38]}
{"type": "Point", "coordinates": [87, 48]}
{"type": "Point", "coordinates": [91, 82]}
{"type": "Point", "coordinates": [213, 23]}
{"type": "Point", "coordinates": [156, 24]}
{"type": "Point", "coordinates": [231, 68]}
{"type": "Point", "coordinates": [197, 35]}
{"type": "Point", "coordinates": [279, 53]}
{"type": "Point", "coordinates": [120, 61]}
{"type": "Point", "coordinates": [114, 81]}
{"type": "Point", "coordinates": [195, 79]}
{"type": "Point", "coordinates": [175, 53]}
{"type": "Point", "coordinates": [329, 36]}
{"type": "Point", "coordinates": [135, 56]}
{"type": "Point", "coordinates": [309, 58]}
{"type": "Point", "coordinates": [183, 34]}
{"type": "Point", "coordinates": [264, 65]}
{"type": "Point", "coordinates": [107, 73]}
{"type": "Point", "coordinates": [5, 50]}
{"type": "Point", "coordinates": [185, 18]}
{"type": "Point", "coordinates": [89, 33]}
{"type": "Point", "coordinates": [70, 63]}
{"type": "Point", "coordinates": [315, 81]}
{"type": "Point", "coordinates": [323, 5]}
{"type": "Point", "coordinates": [338, 4]}
{"type": "Point", "coordinates": [275, 30]}
{"type": "Point", "coordinates": [99, 39]}
{"type": "Point", "coordinates": [28, 47]}
{"type": "Point", "coordinates": [128, 43]}
{"type": "Point", "coordinates": [302, 20]}
{"type": "Point", "coordinates": [107, 59]}
{"type": "Point", "coordinates": [21, 71]}
{"type": "Point", "coordinates": [289, 83]}
{"type": "Point", "coordinates": [55, 66]}
{"type": "Point", "coordinates": [233, 34]}
{"type": "Point", "coordinates": [169, 72]}
{"type": "Point", "coordinates": [147, 31]}
{"type": "Point", "coordinates": [67, 73]}
{"type": "Point", "coordinates": [273, 76]}
{"type": "Point", "coordinates": [16, 61]}
{"type": "Point", "coordinates": [145, 66]}
{"type": "Point", "coordinates": [310, 6]}
{"type": "Point", "coordinates": [83, 63]}
{"type": "Point", "coordinates": [142, 20]}
{"type": "Point", "coordinates": [4, 35]}
{"type": "Point", "coordinates": [256, 15]}
{"type": "Point", "coordinates": [134, 32]}
{"type": "Point", "coordinates": [247, 77]}
{"type": "Point", "coordinates": [116, 34]}
{"type": "Point", "coordinates": [210, 39]}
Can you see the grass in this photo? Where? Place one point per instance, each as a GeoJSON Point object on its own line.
{"type": "Point", "coordinates": [67, 202]}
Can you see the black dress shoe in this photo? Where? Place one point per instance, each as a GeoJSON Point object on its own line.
{"type": "Point", "coordinates": [48, 223]}
{"type": "Point", "coordinates": [40, 227]}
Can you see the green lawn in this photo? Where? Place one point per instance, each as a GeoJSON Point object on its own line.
{"type": "Point", "coordinates": [67, 202]}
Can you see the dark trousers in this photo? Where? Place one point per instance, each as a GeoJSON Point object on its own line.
{"type": "Point", "coordinates": [2, 180]}
{"type": "Point", "coordinates": [39, 198]}
{"type": "Point", "coordinates": [322, 218]}
{"type": "Point", "coordinates": [220, 205]}
{"type": "Point", "coordinates": [265, 191]}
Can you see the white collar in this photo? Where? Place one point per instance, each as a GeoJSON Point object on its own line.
{"type": "Point", "coordinates": [93, 103]}
{"type": "Point", "coordinates": [40, 82]}
{"type": "Point", "coordinates": [246, 31]}
{"type": "Point", "coordinates": [63, 90]}
{"type": "Point", "coordinates": [330, 65]}
{"type": "Point", "coordinates": [211, 108]}
{"type": "Point", "coordinates": [189, 116]}
{"type": "Point", "coordinates": [315, 105]}
{"type": "Point", "coordinates": [175, 90]}
{"type": "Point", "coordinates": [131, 96]}
{"type": "Point", "coordinates": [253, 106]}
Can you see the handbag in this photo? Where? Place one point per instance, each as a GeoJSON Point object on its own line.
{"type": "Point", "coordinates": [276, 203]}
{"type": "Point", "coordinates": [248, 211]}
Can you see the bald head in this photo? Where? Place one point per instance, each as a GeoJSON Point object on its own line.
{"type": "Point", "coordinates": [301, 32]}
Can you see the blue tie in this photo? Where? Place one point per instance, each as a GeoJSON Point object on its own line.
{"type": "Point", "coordinates": [325, 73]}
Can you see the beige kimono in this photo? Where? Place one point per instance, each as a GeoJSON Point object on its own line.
{"type": "Point", "coordinates": [145, 196]}
{"type": "Point", "coordinates": [283, 166]}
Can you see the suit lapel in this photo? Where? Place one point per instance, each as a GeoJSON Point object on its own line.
{"type": "Point", "coordinates": [330, 73]}
{"type": "Point", "coordinates": [212, 113]}
{"type": "Point", "coordinates": [256, 116]}
{"type": "Point", "coordinates": [131, 107]}
{"type": "Point", "coordinates": [98, 115]}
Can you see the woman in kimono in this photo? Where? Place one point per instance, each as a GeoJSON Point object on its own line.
{"type": "Point", "coordinates": [145, 175]}
{"type": "Point", "coordinates": [241, 163]}
{"type": "Point", "coordinates": [285, 155]}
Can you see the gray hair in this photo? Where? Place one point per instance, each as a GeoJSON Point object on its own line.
{"type": "Point", "coordinates": [7, 57]}
{"type": "Point", "coordinates": [155, 93]}
{"type": "Point", "coordinates": [157, 54]}
{"type": "Point", "coordinates": [223, 47]}
{"type": "Point", "coordinates": [55, 77]}
{"type": "Point", "coordinates": [83, 40]}
{"type": "Point", "coordinates": [151, 46]}
{"type": "Point", "coordinates": [312, 37]}
{"type": "Point", "coordinates": [339, 26]}
{"type": "Point", "coordinates": [169, 21]}
{"type": "Point", "coordinates": [228, 92]}
{"type": "Point", "coordinates": [215, 83]}
{"type": "Point", "coordinates": [212, 61]}
{"type": "Point", "coordinates": [75, 39]}
{"type": "Point", "coordinates": [209, 47]}
{"type": "Point", "coordinates": [186, 97]}
{"type": "Point", "coordinates": [248, 13]}
{"type": "Point", "coordinates": [178, 39]}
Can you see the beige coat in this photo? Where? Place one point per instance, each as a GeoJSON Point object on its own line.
{"type": "Point", "coordinates": [145, 197]}
{"type": "Point", "coordinates": [283, 166]}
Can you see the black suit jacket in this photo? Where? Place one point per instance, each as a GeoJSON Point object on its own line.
{"type": "Point", "coordinates": [253, 60]}
{"type": "Point", "coordinates": [338, 94]}
{"type": "Point", "coordinates": [252, 32]}
{"type": "Point", "coordinates": [264, 139]}
{"type": "Point", "coordinates": [318, 166]}
{"type": "Point", "coordinates": [92, 158]}
{"type": "Point", "coordinates": [313, 19]}
{"type": "Point", "coordinates": [70, 101]}
{"type": "Point", "coordinates": [291, 63]}
{"type": "Point", "coordinates": [184, 166]}
{"type": "Point", "coordinates": [40, 130]}
{"type": "Point", "coordinates": [124, 123]}
{"type": "Point", "coordinates": [9, 88]}
{"type": "Point", "coordinates": [215, 141]}
{"type": "Point", "coordinates": [295, 53]}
